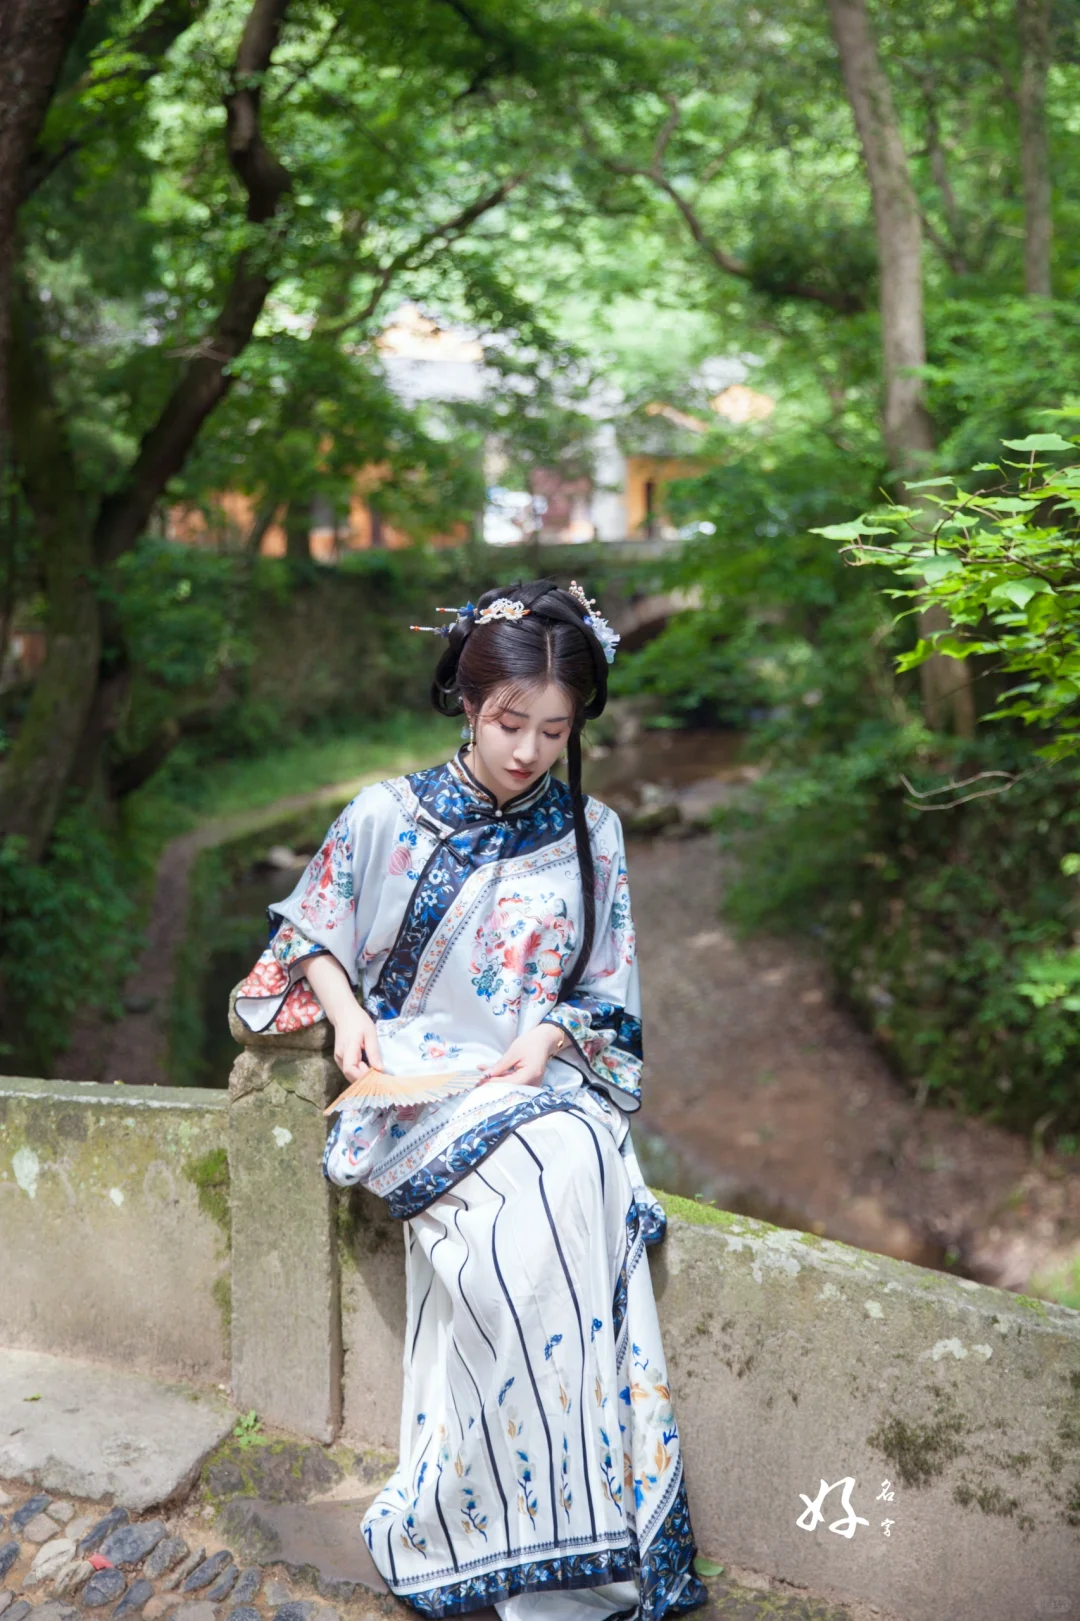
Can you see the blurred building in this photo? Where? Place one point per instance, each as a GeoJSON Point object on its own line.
{"type": "Point", "coordinates": [622, 499]}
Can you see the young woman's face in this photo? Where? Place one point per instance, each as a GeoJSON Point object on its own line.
{"type": "Point", "coordinates": [520, 737]}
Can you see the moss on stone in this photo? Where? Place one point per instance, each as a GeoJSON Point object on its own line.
{"type": "Point", "coordinates": [222, 1293]}
{"type": "Point", "coordinates": [1037, 1306]}
{"type": "Point", "coordinates": [210, 1175]}
{"type": "Point", "coordinates": [919, 1451]}
{"type": "Point", "coordinates": [991, 1499]}
{"type": "Point", "coordinates": [707, 1215]}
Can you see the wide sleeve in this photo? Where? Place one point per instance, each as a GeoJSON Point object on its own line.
{"type": "Point", "coordinates": [602, 1016]}
{"type": "Point", "coordinates": [331, 910]}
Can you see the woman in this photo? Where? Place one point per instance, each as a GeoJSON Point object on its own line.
{"type": "Point", "coordinates": [480, 909]}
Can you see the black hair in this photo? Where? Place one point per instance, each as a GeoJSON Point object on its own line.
{"type": "Point", "coordinates": [550, 644]}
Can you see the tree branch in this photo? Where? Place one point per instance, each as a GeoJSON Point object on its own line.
{"type": "Point", "coordinates": [206, 379]}
{"type": "Point", "coordinates": [409, 258]}
{"type": "Point", "coordinates": [729, 263]}
{"type": "Point", "coordinates": [152, 40]}
{"type": "Point", "coordinates": [309, 67]}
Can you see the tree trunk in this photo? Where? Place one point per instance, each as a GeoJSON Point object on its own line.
{"type": "Point", "coordinates": [948, 702]}
{"type": "Point", "coordinates": [1033, 27]}
{"type": "Point", "coordinates": [75, 700]}
{"type": "Point", "coordinates": [34, 38]}
{"type": "Point", "coordinates": [298, 531]}
{"type": "Point", "coordinates": [38, 767]}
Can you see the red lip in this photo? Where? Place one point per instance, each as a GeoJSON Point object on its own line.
{"type": "Point", "coordinates": [524, 775]}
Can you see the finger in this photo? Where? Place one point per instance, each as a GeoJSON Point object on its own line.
{"type": "Point", "coordinates": [355, 1069]}
{"type": "Point", "coordinates": [371, 1047]}
{"type": "Point", "coordinates": [503, 1065]}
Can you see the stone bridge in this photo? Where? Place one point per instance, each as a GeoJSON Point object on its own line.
{"type": "Point", "coordinates": [189, 1234]}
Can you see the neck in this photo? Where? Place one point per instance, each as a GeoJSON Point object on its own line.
{"type": "Point", "coordinates": [476, 766]}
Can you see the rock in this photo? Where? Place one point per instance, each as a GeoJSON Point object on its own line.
{"type": "Point", "coordinates": [71, 1577]}
{"type": "Point", "coordinates": [277, 1593]}
{"type": "Point", "coordinates": [53, 1610]}
{"type": "Point", "coordinates": [61, 1512]}
{"type": "Point", "coordinates": [33, 1505]}
{"type": "Point", "coordinates": [289, 1474]}
{"type": "Point", "coordinates": [205, 1573]}
{"type": "Point", "coordinates": [80, 1526]}
{"type": "Point", "coordinates": [183, 1570]}
{"type": "Point", "coordinates": [49, 1561]}
{"type": "Point", "coordinates": [335, 1587]}
{"type": "Point", "coordinates": [5, 1599]}
{"type": "Point", "coordinates": [20, 1609]}
{"type": "Point", "coordinates": [134, 1599]}
{"type": "Point", "coordinates": [6, 1499]}
{"type": "Point", "coordinates": [40, 1528]}
{"type": "Point", "coordinates": [224, 1584]}
{"type": "Point", "coordinates": [653, 819]}
{"type": "Point", "coordinates": [248, 1585]}
{"type": "Point", "coordinates": [198, 1610]}
{"type": "Point", "coordinates": [244, 1612]}
{"type": "Point", "coordinates": [164, 1604]}
{"type": "Point", "coordinates": [102, 1588]}
{"type": "Point", "coordinates": [130, 1544]}
{"type": "Point", "coordinates": [303, 1609]}
{"type": "Point", "coordinates": [9, 1552]}
{"type": "Point", "coordinates": [101, 1529]}
{"type": "Point", "coordinates": [168, 1553]}
{"type": "Point", "coordinates": [319, 1543]}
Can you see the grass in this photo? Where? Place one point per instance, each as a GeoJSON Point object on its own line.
{"type": "Point", "coordinates": [184, 794]}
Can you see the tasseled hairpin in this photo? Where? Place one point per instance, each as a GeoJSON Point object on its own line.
{"type": "Point", "coordinates": [501, 608]}
{"type": "Point", "coordinates": [608, 638]}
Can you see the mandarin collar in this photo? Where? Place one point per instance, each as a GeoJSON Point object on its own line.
{"type": "Point", "coordinates": [475, 791]}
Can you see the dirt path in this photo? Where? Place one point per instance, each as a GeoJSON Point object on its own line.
{"type": "Point", "coordinates": [775, 1103]}
{"type": "Point", "coordinates": [135, 1050]}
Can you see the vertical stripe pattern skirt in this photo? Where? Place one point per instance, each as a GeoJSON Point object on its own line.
{"type": "Point", "coordinates": [539, 1448]}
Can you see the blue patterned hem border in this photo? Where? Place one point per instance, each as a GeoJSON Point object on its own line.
{"type": "Point", "coordinates": [465, 1153]}
{"type": "Point", "coordinates": [665, 1578]}
{"type": "Point", "coordinates": [542, 1576]}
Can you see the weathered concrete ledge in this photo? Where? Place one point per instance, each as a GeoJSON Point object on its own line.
{"type": "Point", "coordinates": [286, 1331]}
{"type": "Point", "coordinates": [796, 1361]}
{"type": "Point", "coordinates": [114, 1224]}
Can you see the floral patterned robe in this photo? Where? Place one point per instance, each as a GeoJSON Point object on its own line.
{"type": "Point", "coordinates": [539, 1449]}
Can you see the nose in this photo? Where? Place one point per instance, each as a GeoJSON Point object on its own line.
{"type": "Point", "coordinates": [526, 752]}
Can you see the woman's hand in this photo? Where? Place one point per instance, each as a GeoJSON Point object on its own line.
{"type": "Point", "coordinates": [526, 1059]}
{"type": "Point", "coordinates": [356, 1052]}
{"type": "Point", "coordinates": [356, 1044]}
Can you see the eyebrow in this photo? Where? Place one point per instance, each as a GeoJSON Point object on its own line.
{"type": "Point", "coordinates": [552, 720]}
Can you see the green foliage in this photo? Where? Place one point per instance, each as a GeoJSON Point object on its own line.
{"type": "Point", "coordinates": [1002, 563]}
{"type": "Point", "coordinates": [69, 937]}
{"type": "Point", "coordinates": [951, 932]}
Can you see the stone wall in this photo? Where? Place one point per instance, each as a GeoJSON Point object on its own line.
{"type": "Point", "coordinates": [821, 1390]}
{"type": "Point", "coordinates": [114, 1225]}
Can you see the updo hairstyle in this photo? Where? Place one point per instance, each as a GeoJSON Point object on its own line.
{"type": "Point", "coordinates": [551, 644]}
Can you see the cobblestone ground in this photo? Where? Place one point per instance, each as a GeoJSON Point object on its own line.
{"type": "Point", "coordinates": [206, 1558]}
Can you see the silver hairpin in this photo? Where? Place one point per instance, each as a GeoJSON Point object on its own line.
{"type": "Point", "coordinates": [608, 638]}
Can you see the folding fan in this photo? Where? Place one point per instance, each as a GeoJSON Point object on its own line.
{"type": "Point", "coordinates": [384, 1091]}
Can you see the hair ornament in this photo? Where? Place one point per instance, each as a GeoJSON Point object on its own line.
{"type": "Point", "coordinates": [467, 613]}
{"type": "Point", "coordinates": [502, 608]}
{"type": "Point", "coordinates": [608, 638]}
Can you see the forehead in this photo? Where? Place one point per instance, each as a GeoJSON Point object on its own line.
{"type": "Point", "coordinates": [538, 704]}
